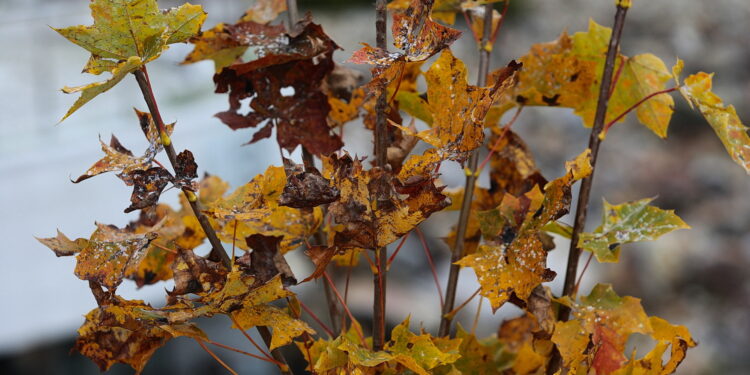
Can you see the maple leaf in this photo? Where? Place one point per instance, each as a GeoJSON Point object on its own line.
{"type": "Point", "coordinates": [119, 159]}
{"type": "Point", "coordinates": [415, 33]}
{"type": "Point", "coordinates": [477, 357]}
{"type": "Point", "coordinates": [254, 209]}
{"type": "Point", "coordinates": [566, 73]}
{"type": "Point", "coordinates": [62, 245]}
{"type": "Point", "coordinates": [365, 222]}
{"type": "Point", "coordinates": [696, 89]}
{"type": "Point", "coordinates": [604, 319]}
{"type": "Point", "coordinates": [626, 223]}
{"type": "Point", "coordinates": [111, 254]}
{"type": "Point", "coordinates": [419, 353]}
{"type": "Point", "coordinates": [194, 274]}
{"type": "Point", "coordinates": [266, 260]}
{"type": "Point", "coordinates": [512, 172]}
{"type": "Point", "coordinates": [127, 332]}
{"type": "Point", "coordinates": [225, 44]}
{"type": "Point", "coordinates": [520, 266]}
{"type": "Point", "coordinates": [666, 335]}
{"type": "Point", "coordinates": [126, 35]}
{"type": "Point", "coordinates": [301, 63]}
{"type": "Point", "coordinates": [458, 109]}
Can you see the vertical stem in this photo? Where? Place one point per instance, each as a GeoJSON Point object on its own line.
{"type": "Point", "coordinates": [292, 13]}
{"type": "Point", "coordinates": [471, 178]}
{"type": "Point", "coordinates": [217, 249]}
{"type": "Point", "coordinates": [594, 142]}
{"type": "Point", "coordinates": [381, 146]}
{"type": "Point", "coordinates": [583, 196]}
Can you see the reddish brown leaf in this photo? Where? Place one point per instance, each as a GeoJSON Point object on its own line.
{"type": "Point", "coordinates": [266, 261]}
{"type": "Point", "coordinates": [306, 189]}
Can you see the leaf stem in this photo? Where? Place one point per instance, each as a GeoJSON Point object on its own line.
{"type": "Point", "coordinates": [463, 218]}
{"type": "Point", "coordinates": [316, 319]}
{"type": "Point", "coordinates": [428, 254]}
{"type": "Point", "coordinates": [212, 354]}
{"type": "Point", "coordinates": [346, 308]}
{"type": "Point", "coordinates": [634, 106]}
{"type": "Point", "coordinates": [381, 160]}
{"type": "Point", "coordinates": [217, 249]}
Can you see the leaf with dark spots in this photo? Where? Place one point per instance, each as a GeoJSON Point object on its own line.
{"type": "Point", "coordinates": [185, 170]}
{"type": "Point", "coordinates": [370, 213]}
{"type": "Point", "coordinates": [284, 87]}
{"type": "Point", "coordinates": [111, 253]}
{"type": "Point", "coordinates": [194, 274]}
{"type": "Point", "coordinates": [266, 261]}
{"type": "Point", "coordinates": [551, 101]}
{"type": "Point", "coordinates": [147, 187]}
{"type": "Point", "coordinates": [306, 189]}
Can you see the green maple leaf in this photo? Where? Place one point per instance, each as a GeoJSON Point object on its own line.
{"type": "Point", "coordinates": [625, 223]}
{"type": "Point", "coordinates": [126, 35]}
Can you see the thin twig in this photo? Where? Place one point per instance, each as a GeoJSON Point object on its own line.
{"type": "Point", "coordinates": [580, 277]}
{"type": "Point", "coordinates": [462, 305]}
{"type": "Point", "coordinates": [494, 147]}
{"type": "Point", "coordinates": [428, 254]}
{"type": "Point", "coordinates": [594, 142]}
{"type": "Point", "coordinates": [148, 95]}
{"type": "Point", "coordinates": [381, 146]}
{"type": "Point", "coordinates": [398, 248]}
{"type": "Point", "coordinates": [316, 319]}
{"type": "Point", "coordinates": [212, 354]}
{"type": "Point", "coordinates": [463, 220]}
{"type": "Point", "coordinates": [242, 352]}
{"type": "Point", "coordinates": [476, 316]}
{"type": "Point", "coordinates": [346, 308]}
{"type": "Point", "coordinates": [248, 337]}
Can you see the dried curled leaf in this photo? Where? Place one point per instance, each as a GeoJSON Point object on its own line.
{"type": "Point", "coordinates": [625, 223]}
{"type": "Point", "coordinates": [147, 187]}
{"type": "Point", "coordinates": [416, 34]}
{"type": "Point", "coordinates": [126, 35]}
{"type": "Point", "coordinates": [62, 245]}
{"type": "Point", "coordinates": [723, 119]}
{"type": "Point", "coordinates": [306, 188]}
{"type": "Point", "coordinates": [120, 159]}
{"type": "Point", "coordinates": [127, 332]}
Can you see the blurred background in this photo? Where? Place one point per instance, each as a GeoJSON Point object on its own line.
{"type": "Point", "coordinates": [697, 278]}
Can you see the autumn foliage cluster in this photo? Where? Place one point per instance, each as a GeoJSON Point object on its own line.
{"type": "Point", "coordinates": [340, 209]}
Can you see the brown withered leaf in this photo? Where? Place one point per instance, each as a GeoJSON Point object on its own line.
{"type": "Point", "coordinates": [64, 246]}
{"type": "Point", "coordinates": [416, 34]}
{"type": "Point", "coordinates": [147, 187]}
{"type": "Point", "coordinates": [111, 254]}
{"type": "Point", "coordinates": [306, 188]}
{"type": "Point", "coordinates": [119, 159]}
{"type": "Point", "coordinates": [195, 274]}
{"type": "Point", "coordinates": [300, 112]}
{"type": "Point", "coordinates": [185, 170]}
{"type": "Point", "coordinates": [372, 212]}
{"type": "Point", "coordinates": [267, 261]}
{"type": "Point", "coordinates": [320, 256]}
{"type": "Point", "coordinates": [127, 332]}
